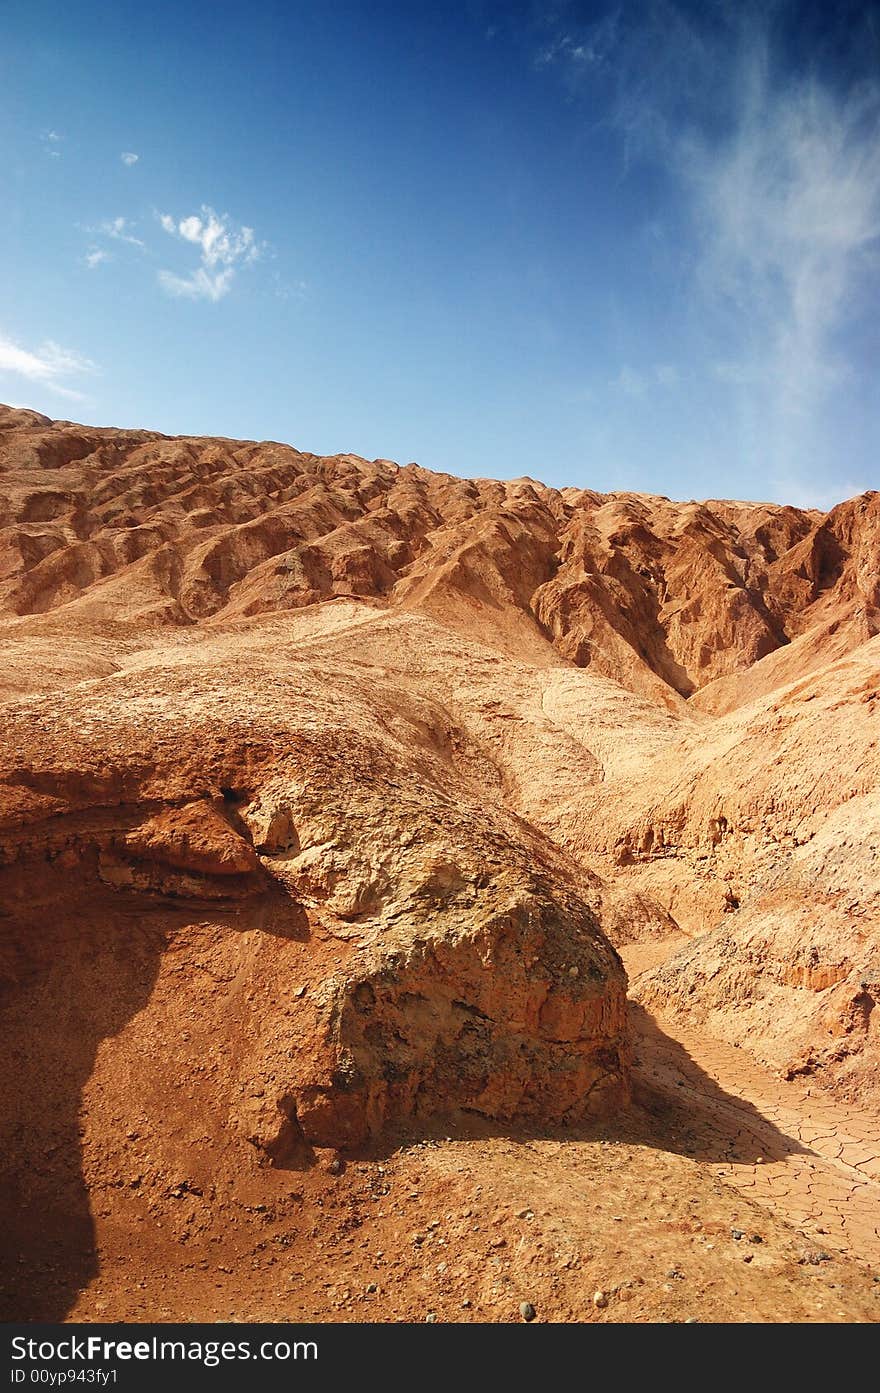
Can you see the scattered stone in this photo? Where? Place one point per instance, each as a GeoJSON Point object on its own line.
{"type": "Point", "coordinates": [811, 1257]}
{"type": "Point", "coordinates": [600, 1300]}
{"type": "Point", "coordinates": [431, 1318]}
{"type": "Point", "coordinates": [527, 1310]}
{"type": "Point", "coordinates": [737, 1234]}
{"type": "Point", "coordinates": [336, 1166]}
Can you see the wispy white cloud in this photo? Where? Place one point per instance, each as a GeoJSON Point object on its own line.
{"type": "Point", "coordinates": [199, 284]}
{"type": "Point", "coordinates": [788, 209]}
{"type": "Point", "coordinates": [777, 172]}
{"type": "Point", "coordinates": [129, 157]}
{"type": "Point", "coordinates": [95, 257]}
{"type": "Point", "coordinates": [223, 249]}
{"type": "Point", "coordinates": [120, 229]}
{"type": "Point", "coordinates": [50, 141]}
{"type": "Point", "coordinates": [581, 49]}
{"type": "Point", "coordinates": [50, 365]}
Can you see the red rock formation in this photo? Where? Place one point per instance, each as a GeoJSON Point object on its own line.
{"type": "Point", "coordinates": [322, 782]}
{"type": "Point", "coordinates": [128, 528]}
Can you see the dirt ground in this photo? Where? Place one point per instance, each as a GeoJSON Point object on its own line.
{"type": "Point", "coordinates": [722, 1195]}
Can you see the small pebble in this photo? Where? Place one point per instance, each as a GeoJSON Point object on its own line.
{"type": "Point", "coordinates": [600, 1300]}
{"type": "Point", "coordinates": [527, 1310]}
{"type": "Point", "coordinates": [430, 1318]}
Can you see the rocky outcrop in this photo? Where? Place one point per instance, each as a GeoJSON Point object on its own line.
{"type": "Point", "coordinates": [431, 954]}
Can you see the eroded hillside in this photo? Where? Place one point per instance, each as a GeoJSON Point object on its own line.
{"type": "Point", "coordinates": [326, 787]}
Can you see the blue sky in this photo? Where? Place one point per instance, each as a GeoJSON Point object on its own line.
{"type": "Point", "coordinates": [629, 246]}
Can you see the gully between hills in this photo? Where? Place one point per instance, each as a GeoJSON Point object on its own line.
{"type": "Point", "coordinates": [329, 790]}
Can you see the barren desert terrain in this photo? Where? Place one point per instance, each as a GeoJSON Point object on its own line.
{"type": "Point", "coordinates": [425, 897]}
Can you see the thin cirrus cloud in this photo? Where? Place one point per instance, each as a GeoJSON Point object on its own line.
{"type": "Point", "coordinates": [223, 250]}
{"type": "Point", "coordinates": [115, 230]}
{"type": "Point", "coordinates": [50, 365]}
{"type": "Point", "coordinates": [129, 157]}
{"type": "Point", "coordinates": [776, 170]}
{"type": "Point", "coordinates": [120, 229]}
{"type": "Point", "coordinates": [790, 208]}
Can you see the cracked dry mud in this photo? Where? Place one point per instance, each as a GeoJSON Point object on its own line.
{"type": "Point", "coordinates": [811, 1161]}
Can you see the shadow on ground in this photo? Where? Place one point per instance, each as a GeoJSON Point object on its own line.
{"type": "Point", "coordinates": [69, 980]}
{"type": "Point", "coordinates": [83, 975]}
{"type": "Point", "coordinates": [677, 1107]}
